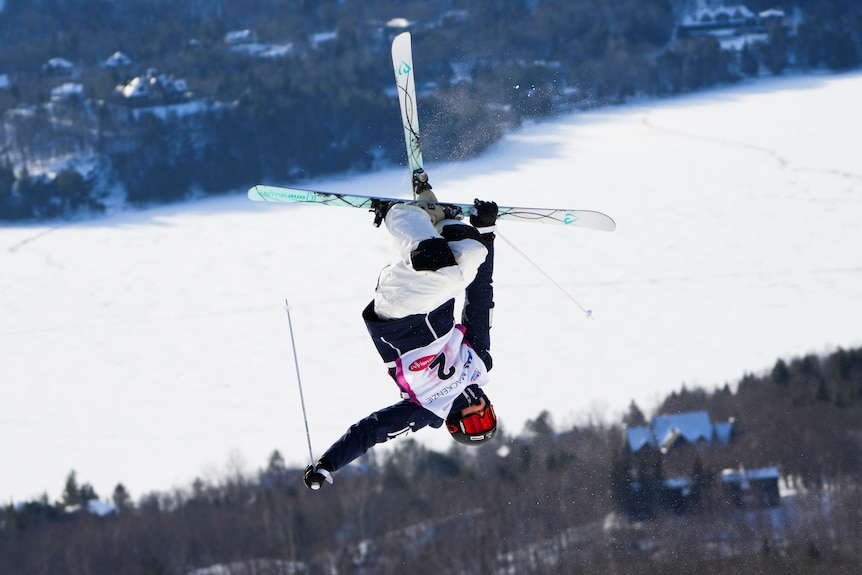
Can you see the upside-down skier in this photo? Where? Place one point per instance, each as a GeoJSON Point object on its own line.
{"type": "Point", "coordinates": [439, 366]}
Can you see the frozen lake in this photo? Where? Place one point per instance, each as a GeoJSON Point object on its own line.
{"type": "Point", "coordinates": [152, 347]}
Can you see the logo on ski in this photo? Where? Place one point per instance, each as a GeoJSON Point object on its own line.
{"type": "Point", "coordinates": [403, 69]}
{"type": "Point", "coordinates": [570, 219]}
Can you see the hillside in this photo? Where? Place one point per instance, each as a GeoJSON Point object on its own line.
{"type": "Point", "coordinates": [542, 502]}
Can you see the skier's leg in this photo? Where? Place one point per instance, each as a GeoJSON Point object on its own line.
{"type": "Point", "coordinates": [417, 242]}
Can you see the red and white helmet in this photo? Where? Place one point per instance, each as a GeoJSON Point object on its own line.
{"type": "Point", "coordinates": [474, 428]}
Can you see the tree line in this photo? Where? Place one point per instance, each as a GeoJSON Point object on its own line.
{"type": "Point", "coordinates": [484, 68]}
{"type": "Point", "coordinates": [546, 500]}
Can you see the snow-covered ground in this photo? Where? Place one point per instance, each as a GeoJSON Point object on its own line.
{"type": "Point", "coordinates": [152, 347]}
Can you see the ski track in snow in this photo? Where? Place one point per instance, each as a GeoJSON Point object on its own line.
{"type": "Point", "coordinates": [782, 161]}
{"type": "Point", "coordinates": [150, 347]}
{"type": "Point", "coordinates": [38, 235]}
{"type": "Point", "coordinates": [774, 154]}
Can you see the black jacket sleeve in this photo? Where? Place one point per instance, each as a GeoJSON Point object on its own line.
{"type": "Point", "coordinates": [378, 427]}
{"type": "Point", "coordinates": [478, 303]}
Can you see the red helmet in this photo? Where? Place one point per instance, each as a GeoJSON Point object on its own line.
{"type": "Point", "coordinates": [474, 428]}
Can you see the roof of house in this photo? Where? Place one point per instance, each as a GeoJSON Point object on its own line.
{"type": "Point", "coordinates": [67, 90]}
{"type": "Point", "coordinates": [117, 60]}
{"type": "Point", "coordinates": [638, 437]}
{"type": "Point", "coordinates": [743, 477]}
{"type": "Point", "coordinates": [723, 431]}
{"type": "Point", "coordinates": [666, 430]}
{"type": "Point", "coordinates": [692, 426]}
{"type": "Point", "coordinates": [721, 13]}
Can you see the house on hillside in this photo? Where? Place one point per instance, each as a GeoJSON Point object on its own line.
{"type": "Point", "coordinates": [668, 455]}
{"type": "Point", "coordinates": [59, 67]}
{"type": "Point", "coordinates": [321, 39]}
{"type": "Point", "coordinates": [668, 432]}
{"type": "Point", "coordinates": [153, 88]}
{"type": "Point", "coordinates": [726, 21]}
{"type": "Point", "coordinates": [238, 37]}
{"type": "Point", "coordinates": [117, 60]}
{"type": "Point", "coordinates": [752, 487]}
{"type": "Point", "coordinates": [67, 93]}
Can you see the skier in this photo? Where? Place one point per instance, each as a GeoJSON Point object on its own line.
{"type": "Point", "coordinates": [439, 366]}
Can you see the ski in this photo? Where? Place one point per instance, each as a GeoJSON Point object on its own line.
{"type": "Point", "coordinates": [402, 63]}
{"type": "Point", "coordinates": [573, 218]}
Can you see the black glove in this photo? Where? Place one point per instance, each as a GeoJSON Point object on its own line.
{"type": "Point", "coordinates": [316, 475]}
{"type": "Point", "coordinates": [484, 214]}
{"type": "Point", "coordinates": [380, 209]}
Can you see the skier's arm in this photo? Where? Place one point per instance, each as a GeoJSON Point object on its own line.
{"type": "Point", "coordinates": [479, 298]}
{"type": "Point", "coordinates": [378, 427]}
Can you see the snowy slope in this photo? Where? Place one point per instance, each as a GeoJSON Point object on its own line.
{"type": "Point", "coordinates": [152, 347]}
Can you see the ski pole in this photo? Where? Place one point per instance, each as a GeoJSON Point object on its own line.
{"type": "Point", "coordinates": [299, 382]}
{"type": "Point", "coordinates": [587, 312]}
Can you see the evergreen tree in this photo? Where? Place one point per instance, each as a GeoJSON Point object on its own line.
{"type": "Point", "coordinates": [748, 63]}
{"type": "Point", "coordinates": [634, 417]}
{"type": "Point", "coordinates": [621, 483]}
{"type": "Point", "coordinates": [841, 51]}
{"type": "Point", "coordinates": [541, 425]}
{"type": "Point", "coordinates": [121, 498]}
{"type": "Point", "coordinates": [780, 372]}
{"type": "Point", "coordinates": [276, 463]}
{"type": "Point", "coordinates": [71, 491]}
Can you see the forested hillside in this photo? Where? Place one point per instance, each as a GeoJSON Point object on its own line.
{"type": "Point", "coordinates": [164, 98]}
{"type": "Point", "coordinates": [542, 501]}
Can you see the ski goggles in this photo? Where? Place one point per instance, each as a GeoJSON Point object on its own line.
{"type": "Point", "coordinates": [476, 423]}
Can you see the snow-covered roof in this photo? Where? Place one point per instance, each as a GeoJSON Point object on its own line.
{"type": "Point", "coordinates": [638, 437]}
{"type": "Point", "coordinates": [67, 90]}
{"type": "Point", "coordinates": [117, 60]}
{"type": "Point", "coordinates": [763, 473]}
{"type": "Point", "coordinates": [177, 110]}
{"type": "Point", "coordinates": [238, 37]}
{"type": "Point", "coordinates": [693, 427]}
{"type": "Point", "coordinates": [682, 484]}
{"type": "Point", "coordinates": [136, 88]}
{"type": "Point", "coordinates": [744, 476]}
{"type": "Point", "coordinates": [723, 431]}
{"type": "Point", "coordinates": [93, 507]}
{"type": "Point", "coordinates": [323, 37]}
{"type": "Point", "coordinates": [260, 50]}
{"type": "Point", "coordinates": [59, 65]}
{"type": "Point", "coordinates": [100, 508]}
{"type": "Point", "coordinates": [720, 14]}
{"type": "Point", "coordinates": [398, 23]}
{"type": "Point", "coordinates": [772, 13]}
{"type": "Point", "coordinates": [677, 482]}
{"type": "Point", "coordinates": [153, 84]}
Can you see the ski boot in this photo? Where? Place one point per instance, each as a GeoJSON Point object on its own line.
{"type": "Point", "coordinates": [421, 188]}
{"type": "Point", "coordinates": [427, 200]}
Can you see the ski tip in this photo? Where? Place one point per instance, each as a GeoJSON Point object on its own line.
{"type": "Point", "coordinates": [595, 220]}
